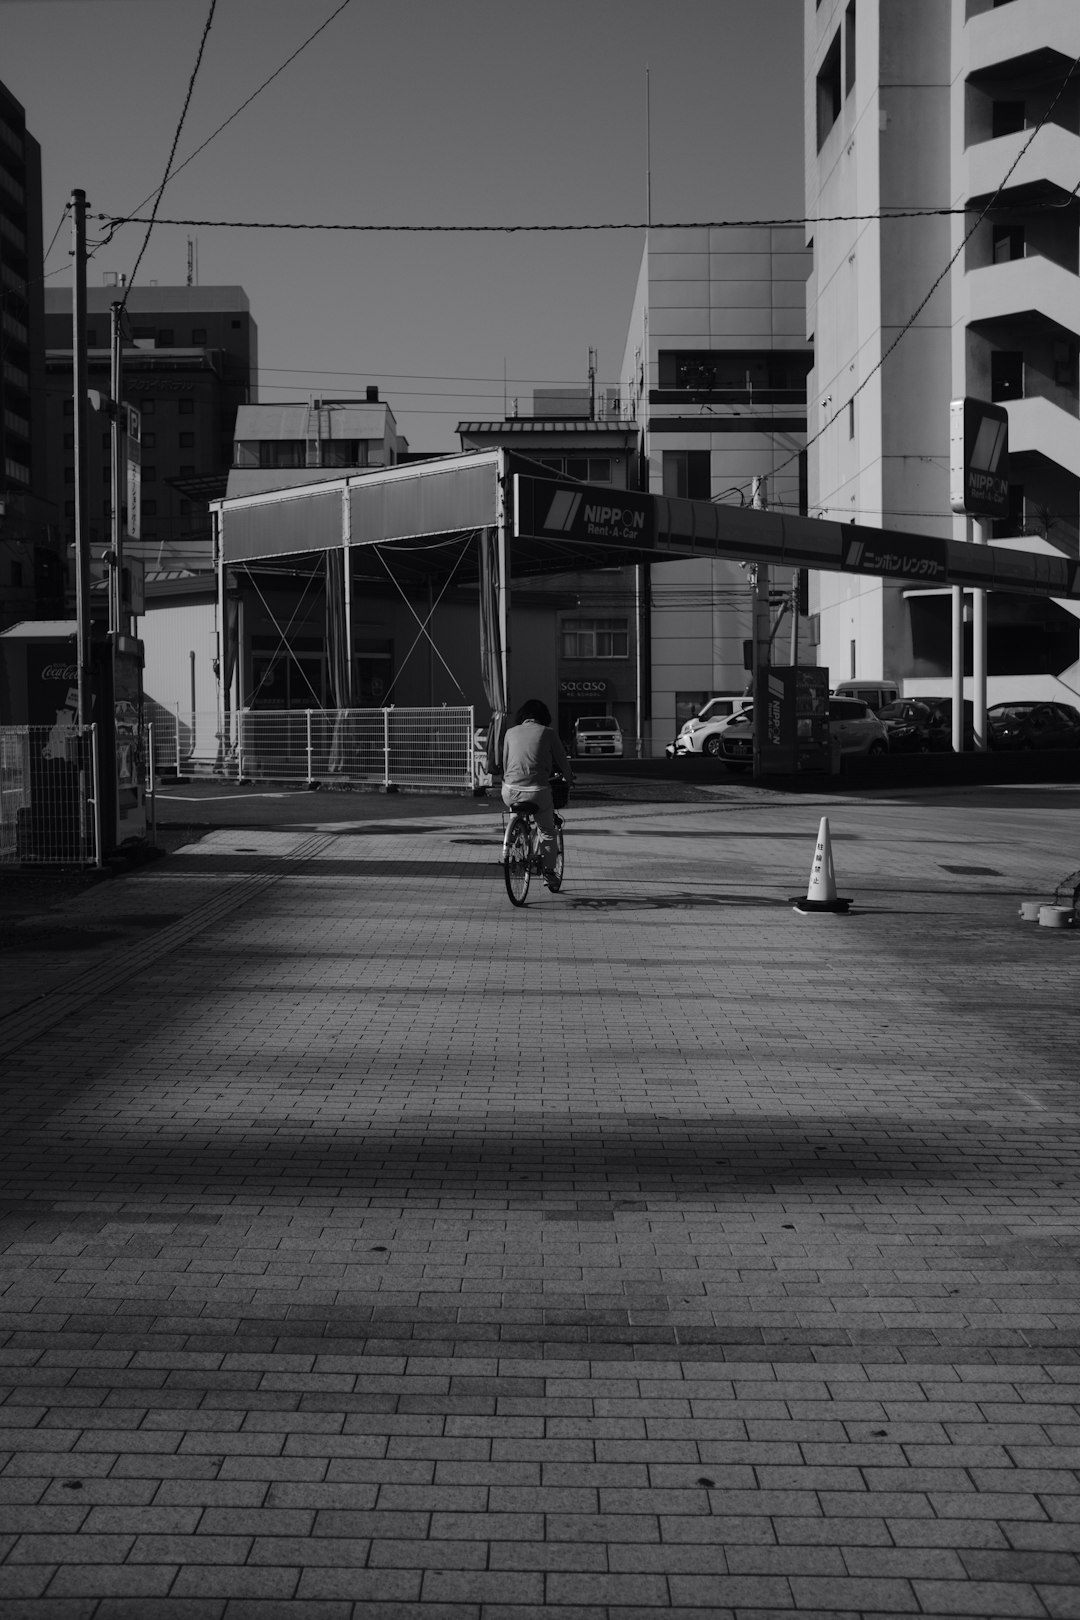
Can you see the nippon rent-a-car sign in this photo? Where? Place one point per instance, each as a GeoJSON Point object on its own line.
{"type": "Point", "coordinates": [979, 458]}
{"type": "Point", "coordinates": [583, 512]}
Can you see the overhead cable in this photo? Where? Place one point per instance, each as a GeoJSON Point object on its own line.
{"type": "Point", "coordinates": [114, 221]}
{"type": "Point", "coordinates": [172, 151]}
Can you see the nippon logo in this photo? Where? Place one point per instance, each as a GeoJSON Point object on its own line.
{"type": "Point", "coordinates": [562, 511]}
{"type": "Point", "coordinates": [615, 514]}
{"type": "Point", "coordinates": [986, 451]}
{"type": "Point", "coordinates": [855, 549]}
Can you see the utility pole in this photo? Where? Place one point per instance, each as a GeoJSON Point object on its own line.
{"type": "Point", "coordinates": [82, 532]}
{"type": "Point", "coordinates": [761, 639]}
{"type": "Point", "coordinates": [118, 622]}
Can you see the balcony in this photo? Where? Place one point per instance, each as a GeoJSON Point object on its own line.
{"type": "Point", "coordinates": [1024, 287]}
{"type": "Point", "coordinates": [1053, 161]}
{"type": "Point", "coordinates": [1039, 427]}
{"type": "Point", "coordinates": [1008, 37]}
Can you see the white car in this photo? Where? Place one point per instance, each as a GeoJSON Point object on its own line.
{"type": "Point", "coordinates": [701, 734]}
{"type": "Point", "coordinates": [852, 725]}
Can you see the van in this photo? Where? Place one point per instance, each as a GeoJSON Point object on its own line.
{"type": "Point", "coordinates": [597, 734]}
{"type": "Point", "coordinates": [875, 694]}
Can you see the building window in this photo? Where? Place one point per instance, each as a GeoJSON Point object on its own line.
{"type": "Point", "coordinates": [198, 336]}
{"type": "Point", "coordinates": [187, 472]}
{"type": "Point", "coordinates": [91, 337]}
{"type": "Point", "coordinates": [828, 91]}
{"type": "Point", "coordinates": [69, 475]}
{"type": "Point", "coordinates": [16, 575]}
{"type": "Point", "coordinates": [149, 441]}
{"type": "Point", "coordinates": [69, 441]}
{"type": "Point", "coordinates": [147, 407]}
{"type": "Point", "coordinates": [148, 508]}
{"type": "Point", "coordinates": [236, 325]}
{"type": "Point", "coordinates": [590, 469]}
{"type": "Point", "coordinates": [687, 474]}
{"type": "Point", "coordinates": [1008, 243]}
{"type": "Point", "coordinates": [1064, 365]}
{"type": "Point", "coordinates": [69, 407]}
{"type": "Point", "coordinates": [149, 475]}
{"type": "Point", "coordinates": [596, 638]}
{"type": "Point", "coordinates": [1007, 374]}
{"type": "Point", "coordinates": [1008, 118]}
{"type": "Point", "coordinates": [270, 453]}
{"type": "Point", "coordinates": [187, 441]}
{"type": "Point", "coordinates": [185, 508]}
{"type": "Point", "coordinates": [851, 418]}
{"type": "Point", "coordinates": [166, 338]}
{"type": "Point", "coordinates": [143, 334]}
{"type": "Point", "coordinates": [187, 407]}
{"type": "Point", "coordinates": [343, 452]}
{"type": "Point", "coordinates": [849, 48]}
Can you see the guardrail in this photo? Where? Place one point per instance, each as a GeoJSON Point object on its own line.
{"type": "Point", "coordinates": [421, 748]}
{"type": "Point", "coordinates": [50, 795]}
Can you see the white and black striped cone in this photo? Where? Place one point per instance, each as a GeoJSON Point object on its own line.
{"type": "Point", "coordinates": [821, 891]}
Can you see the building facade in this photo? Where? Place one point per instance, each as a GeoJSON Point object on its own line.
{"type": "Point", "coordinates": [596, 618]}
{"type": "Point", "coordinates": [190, 358]}
{"type": "Point", "coordinates": [965, 118]}
{"type": "Point", "coordinates": [31, 564]}
{"type": "Point", "coordinates": [714, 373]}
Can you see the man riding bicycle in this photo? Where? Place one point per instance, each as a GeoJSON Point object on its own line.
{"type": "Point", "coordinates": [531, 753]}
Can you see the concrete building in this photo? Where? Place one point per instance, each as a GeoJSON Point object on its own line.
{"type": "Point", "coordinates": [714, 372]}
{"type": "Point", "coordinates": [190, 359]}
{"type": "Point", "coordinates": [276, 446]}
{"type": "Point", "coordinates": [971, 108]}
{"type": "Point", "coordinates": [31, 565]}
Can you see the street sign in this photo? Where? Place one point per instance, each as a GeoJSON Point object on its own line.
{"type": "Point", "coordinates": [979, 458]}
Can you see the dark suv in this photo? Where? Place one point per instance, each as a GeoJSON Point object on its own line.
{"type": "Point", "coordinates": [908, 723]}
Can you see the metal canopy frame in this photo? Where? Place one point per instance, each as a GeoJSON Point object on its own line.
{"type": "Point", "coordinates": [431, 514]}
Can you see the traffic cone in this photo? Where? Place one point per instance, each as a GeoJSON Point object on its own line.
{"type": "Point", "coordinates": [821, 890]}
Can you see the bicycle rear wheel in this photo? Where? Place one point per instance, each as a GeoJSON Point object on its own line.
{"type": "Point", "coordinates": [518, 867]}
{"type": "Point", "coordinates": [553, 879]}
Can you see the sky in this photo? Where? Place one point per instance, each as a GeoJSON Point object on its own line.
{"type": "Point", "coordinates": [424, 112]}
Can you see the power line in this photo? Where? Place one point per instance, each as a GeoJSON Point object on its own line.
{"type": "Point", "coordinates": [114, 221]}
{"type": "Point", "coordinates": [250, 99]}
{"type": "Point", "coordinates": [172, 152]}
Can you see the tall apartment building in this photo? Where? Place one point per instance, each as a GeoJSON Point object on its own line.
{"type": "Point", "coordinates": [190, 358]}
{"type": "Point", "coordinates": [972, 106]}
{"type": "Point", "coordinates": [31, 575]}
{"type": "Point", "coordinates": [715, 372]}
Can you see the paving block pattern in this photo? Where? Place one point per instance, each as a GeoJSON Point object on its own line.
{"type": "Point", "coordinates": [371, 1248]}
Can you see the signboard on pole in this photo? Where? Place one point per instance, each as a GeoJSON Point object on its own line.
{"type": "Point", "coordinates": [132, 421]}
{"type": "Point", "coordinates": [979, 458]}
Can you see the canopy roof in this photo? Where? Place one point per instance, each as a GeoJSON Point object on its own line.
{"type": "Point", "coordinates": [429, 513]}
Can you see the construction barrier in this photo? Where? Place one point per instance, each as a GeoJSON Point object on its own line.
{"type": "Point", "coordinates": [409, 748]}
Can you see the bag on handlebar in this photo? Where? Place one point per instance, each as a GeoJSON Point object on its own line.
{"type": "Point", "coordinates": [560, 792]}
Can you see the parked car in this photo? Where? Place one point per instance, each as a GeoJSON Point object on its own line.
{"type": "Point", "coordinates": [597, 734]}
{"type": "Point", "coordinates": [939, 735]}
{"type": "Point", "coordinates": [907, 722]}
{"type": "Point", "coordinates": [853, 726]}
{"type": "Point", "coordinates": [705, 737]}
{"type": "Point", "coordinates": [719, 707]}
{"type": "Point", "coordinates": [1033, 725]}
{"type": "Point", "coordinates": [857, 728]}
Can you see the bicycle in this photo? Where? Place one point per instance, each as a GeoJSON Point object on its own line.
{"type": "Point", "coordinates": [521, 847]}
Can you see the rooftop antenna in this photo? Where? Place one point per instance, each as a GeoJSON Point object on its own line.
{"type": "Point", "coordinates": [592, 385]}
{"type": "Point", "coordinates": [192, 262]}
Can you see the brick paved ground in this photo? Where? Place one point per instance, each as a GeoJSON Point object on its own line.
{"type": "Point", "coordinates": [372, 1249]}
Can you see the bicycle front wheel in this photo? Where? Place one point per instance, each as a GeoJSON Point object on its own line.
{"type": "Point", "coordinates": [517, 870]}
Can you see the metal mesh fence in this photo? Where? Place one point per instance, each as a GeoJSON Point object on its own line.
{"type": "Point", "coordinates": [423, 748]}
{"type": "Point", "coordinates": [49, 795]}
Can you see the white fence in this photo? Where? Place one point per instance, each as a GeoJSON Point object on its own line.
{"type": "Point", "coordinates": [50, 795]}
{"type": "Point", "coordinates": [420, 748]}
